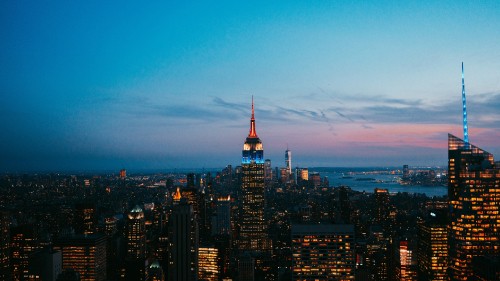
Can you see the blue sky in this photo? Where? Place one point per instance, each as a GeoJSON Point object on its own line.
{"type": "Point", "coordinates": [168, 85]}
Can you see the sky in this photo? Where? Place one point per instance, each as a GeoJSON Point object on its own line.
{"type": "Point", "coordinates": [168, 84]}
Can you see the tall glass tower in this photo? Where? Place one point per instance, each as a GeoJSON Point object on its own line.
{"type": "Point", "coordinates": [252, 226]}
{"type": "Point", "coordinates": [474, 202]}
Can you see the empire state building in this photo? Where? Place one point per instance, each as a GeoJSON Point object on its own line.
{"type": "Point", "coordinates": [253, 229]}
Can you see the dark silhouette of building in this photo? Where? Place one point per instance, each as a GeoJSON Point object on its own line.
{"type": "Point", "coordinates": [485, 268]}
{"type": "Point", "coordinates": [45, 265]}
{"type": "Point", "coordinates": [4, 246]}
{"type": "Point", "coordinates": [85, 218]}
{"type": "Point", "coordinates": [183, 237]}
{"type": "Point", "coordinates": [23, 243]}
{"type": "Point", "coordinates": [135, 261]}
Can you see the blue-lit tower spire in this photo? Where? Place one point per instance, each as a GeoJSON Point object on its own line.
{"type": "Point", "coordinates": [464, 109]}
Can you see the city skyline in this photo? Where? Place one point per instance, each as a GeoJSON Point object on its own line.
{"type": "Point", "coordinates": [169, 85]}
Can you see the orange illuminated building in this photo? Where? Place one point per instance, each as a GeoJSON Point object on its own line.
{"type": "Point", "coordinates": [474, 201]}
{"type": "Point", "coordinates": [85, 254]}
{"type": "Point", "coordinates": [323, 252]}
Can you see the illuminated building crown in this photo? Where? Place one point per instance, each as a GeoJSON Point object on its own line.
{"type": "Point", "coordinates": [253, 151]}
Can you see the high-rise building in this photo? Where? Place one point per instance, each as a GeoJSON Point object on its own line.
{"type": "Point", "coordinates": [85, 254]}
{"type": "Point", "coordinates": [252, 226]}
{"type": "Point", "coordinates": [288, 161]}
{"type": "Point", "coordinates": [123, 173]}
{"type": "Point", "coordinates": [405, 269]}
{"type": "Point", "coordinates": [4, 246]}
{"type": "Point", "coordinates": [268, 171]}
{"type": "Point", "coordinates": [136, 235]}
{"type": "Point", "coordinates": [135, 268]}
{"type": "Point", "coordinates": [323, 252]}
{"type": "Point", "coordinates": [382, 206]}
{"type": "Point", "coordinates": [432, 253]}
{"type": "Point", "coordinates": [474, 200]}
{"type": "Point", "coordinates": [23, 243]}
{"type": "Point", "coordinates": [221, 224]}
{"type": "Point", "coordinates": [183, 237]}
{"type": "Point", "coordinates": [406, 173]}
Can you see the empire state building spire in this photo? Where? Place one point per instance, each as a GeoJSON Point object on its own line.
{"type": "Point", "coordinates": [253, 132]}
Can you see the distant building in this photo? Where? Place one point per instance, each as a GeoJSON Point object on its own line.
{"type": "Point", "coordinates": [406, 173]}
{"type": "Point", "coordinates": [382, 206]}
{"type": "Point", "coordinates": [268, 171]}
{"type": "Point", "coordinates": [323, 252]}
{"type": "Point", "coordinates": [288, 161]}
{"type": "Point", "coordinates": [315, 178]}
{"type": "Point", "coordinates": [123, 173]}
{"type": "Point", "coordinates": [85, 254]}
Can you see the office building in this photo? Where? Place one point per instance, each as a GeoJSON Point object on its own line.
{"type": "Point", "coordinates": [432, 253]}
{"type": "Point", "coordinates": [323, 252]}
{"type": "Point", "coordinates": [23, 243]}
{"type": "Point", "coordinates": [135, 261]}
{"type": "Point", "coordinates": [85, 218]}
{"type": "Point", "coordinates": [85, 254]}
{"type": "Point", "coordinates": [208, 264]}
{"type": "Point", "coordinates": [474, 201]}
{"type": "Point", "coordinates": [183, 237]}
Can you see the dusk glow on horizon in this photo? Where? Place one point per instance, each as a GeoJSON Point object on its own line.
{"type": "Point", "coordinates": [170, 85]}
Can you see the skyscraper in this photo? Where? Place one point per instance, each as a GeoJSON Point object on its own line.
{"type": "Point", "coordinates": [432, 254]}
{"type": "Point", "coordinates": [183, 237]}
{"type": "Point", "coordinates": [288, 160]}
{"type": "Point", "coordinates": [474, 201]}
{"type": "Point", "coordinates": [136, 245]}
{"type": "Point", "coordinates": [252, 225]}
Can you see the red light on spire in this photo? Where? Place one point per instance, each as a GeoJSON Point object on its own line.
{"type": "Point", "coordinates": [253, 132]}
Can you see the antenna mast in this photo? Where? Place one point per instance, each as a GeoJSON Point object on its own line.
{"type": "Point", "coordinates": [464, 108]}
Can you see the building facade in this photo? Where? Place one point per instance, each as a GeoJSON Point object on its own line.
{"type": "Point", "coordinates": [252, 226]}
{"type": "Point", "coordinates": [474, 204]}
{"type": "Point", "coordinates": [323, 252]}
